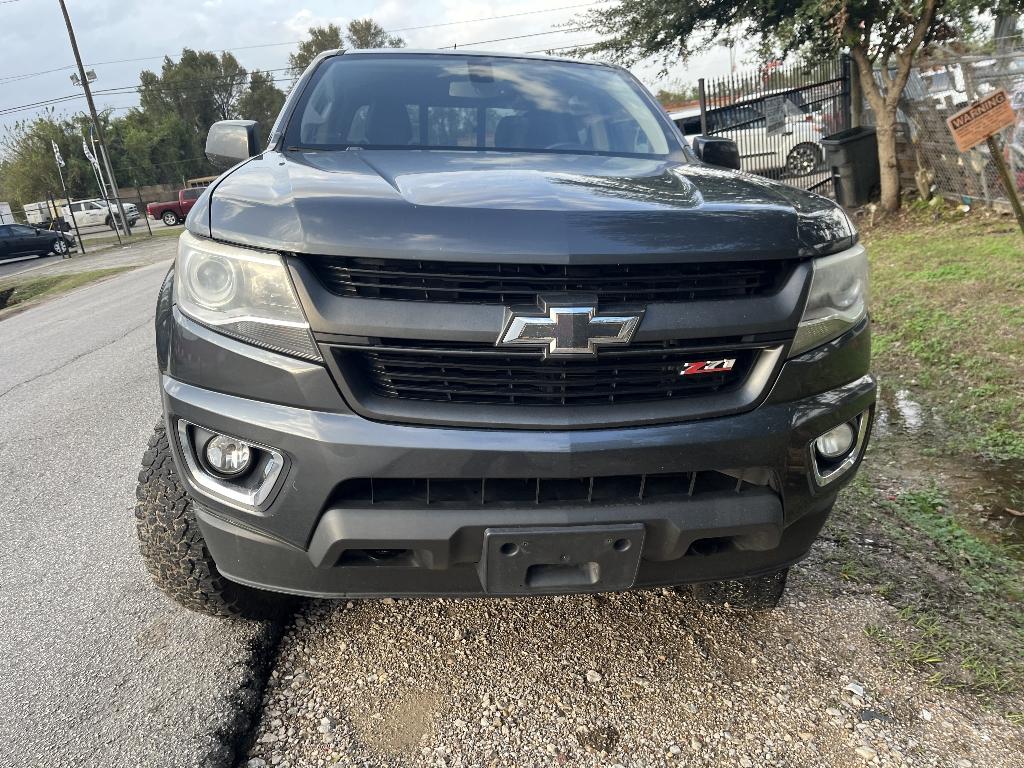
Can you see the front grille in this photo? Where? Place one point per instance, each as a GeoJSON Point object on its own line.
{"type": "Point", "coordinates": [483, 374]}
{"type": "Point", "coordinates": [411, 493]}
{"type": "Point", "coordinates": [511, 284]}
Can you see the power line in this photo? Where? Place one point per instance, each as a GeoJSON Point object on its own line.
{"type": "Point", "coordinates": [567, 47]}
{"type": "Point", "coordinates": [513, 37]}
{"type": "Point", "coordinates": [27, 75]}
{"type": "Point", "coordinates": [119, 90]}
{"type": "Point", "coordinates": [128, 88]}
{"type": "Point", "coordinates": [494, 18]}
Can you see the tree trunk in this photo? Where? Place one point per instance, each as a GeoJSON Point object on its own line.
{"type": "Point", "coordinates": [888, 169]}
{"type": "Point", "coordinates": [885, 130]}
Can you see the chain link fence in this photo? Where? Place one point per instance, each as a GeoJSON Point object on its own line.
{"type": "Point", "coordinates": [937, 89]}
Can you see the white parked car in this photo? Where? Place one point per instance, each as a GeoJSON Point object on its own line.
{"type": "Point", "coordinates": [796, 151]}
{"type": "Point", "coordinates": [97, 212]}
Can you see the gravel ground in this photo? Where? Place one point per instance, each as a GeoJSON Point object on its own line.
{"type": "Point", "coordinates": [637, 679]}
{"type": "Point", "coordinates": [96, 667]}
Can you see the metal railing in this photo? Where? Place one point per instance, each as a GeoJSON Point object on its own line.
{"type": "Point", "coordinates": [778, 116]}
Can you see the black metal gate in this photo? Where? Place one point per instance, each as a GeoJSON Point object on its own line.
{"type": "Point", "coordinates": [778, 115]}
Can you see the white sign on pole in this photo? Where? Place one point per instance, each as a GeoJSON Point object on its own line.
{"type": "Point", "coordinates": [775, 115]}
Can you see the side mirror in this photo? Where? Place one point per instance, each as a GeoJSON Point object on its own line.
{"type": "Point", "coordinates": [715, 150]}
{"type": "Point", "coordinates": [232, 141]}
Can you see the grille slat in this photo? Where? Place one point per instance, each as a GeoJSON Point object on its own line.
{"type": "Point", "coordinates": [469, 492]}
{"type": "Point", "coordinates": [478, 283]}
{"type": "Point", "coordinates": [487, 375]}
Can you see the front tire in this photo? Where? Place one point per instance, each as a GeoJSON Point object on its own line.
{"type": "Point", "coordinates": [173, 548]}
{"type": "Point", "coordinates": [758, 593]}
{"type": "Point", "coordinates": [170, 218]}
{"type": "Point", "coordinates": [60, 247]}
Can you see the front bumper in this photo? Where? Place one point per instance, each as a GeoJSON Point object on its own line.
{"type": "Point", "coordinates": [303, 540]}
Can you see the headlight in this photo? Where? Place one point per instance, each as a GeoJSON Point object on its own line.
{"type": "Point", "coordinates": [838, 299]}
{"type": "Point", "coordinates": [242, 293]}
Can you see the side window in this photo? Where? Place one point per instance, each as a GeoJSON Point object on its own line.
{"type": "Point", "coordinates": [5, 231]}
{"type": "Point", "coordinates": [18, 229]}
{"type": "Point", "coordinates": [193, 194]}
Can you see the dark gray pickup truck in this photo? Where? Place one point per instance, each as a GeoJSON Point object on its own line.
{"type": "Point", "coordinates": [483, 324]}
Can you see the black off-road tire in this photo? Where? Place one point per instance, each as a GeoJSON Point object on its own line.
{"type": "Point", "coordinates": [175, 552]}
{"type": "Point", "coordinates": [760, 593]}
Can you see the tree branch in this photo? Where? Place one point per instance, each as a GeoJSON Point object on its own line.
{"type": "Point", "coordinates": [905, 58]}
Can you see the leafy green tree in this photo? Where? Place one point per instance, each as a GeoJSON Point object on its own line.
{"type": "Point", "coordinates": [28, 172]}
{"type": "Point", "coordinates": [321, 39]}
{"type": "Point", "coordinates": [367, 33]}
{"type": "Point", "coordinates": [676, 94]}
{"type": "Point", "coordinates": [201, 87]}
{"type": "Point", "coordinates": [360, 33]}
{"type": "Point", "coordinates": [883, 37]}
{"type": "Point", "coordinates": [261, 101]}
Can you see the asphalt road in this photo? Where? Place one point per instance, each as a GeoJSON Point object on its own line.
{"type": "Point", "coordinates": [20, 265]}
{"type": "Point", "coordinates": [96, 667]}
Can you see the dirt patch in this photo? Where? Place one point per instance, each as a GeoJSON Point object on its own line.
{"type": "Point", "coordinates": [397, 726]}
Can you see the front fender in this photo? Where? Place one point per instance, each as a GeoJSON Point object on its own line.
{"type": "Point", "coordinates": [164, 319]}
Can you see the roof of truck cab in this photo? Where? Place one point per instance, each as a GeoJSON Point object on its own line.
{"type": "Point", "coordinates": [471, 52]}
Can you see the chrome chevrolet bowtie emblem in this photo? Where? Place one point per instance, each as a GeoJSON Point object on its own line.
{"type": "Point", "coordinates": [569, 330]}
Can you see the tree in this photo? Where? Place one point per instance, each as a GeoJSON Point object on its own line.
{"type": "Point", "coordinates": [360, 33]}
{"type": "Point", "coordinates": [883, 37]}
{"type": "Point", "coordinates": [676, 94]}
{"type": "Point", "coordinates": [201, 87]}
{"type": "Point", "coordinates": [367, 33]}
{"type": "Point", "coordinates": [320, 39]}
{"type": "Point", "coordinates": [261, 101]}
{"type": "Point", "coordinates": [28, 172]}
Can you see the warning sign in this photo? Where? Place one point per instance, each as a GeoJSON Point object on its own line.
{"type": "Point", "coordinates": [976, 122]}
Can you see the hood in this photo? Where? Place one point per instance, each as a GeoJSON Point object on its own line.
{"type": "Point", "coordinates": [499, 206]}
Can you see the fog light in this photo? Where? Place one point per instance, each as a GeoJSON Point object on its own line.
{"type": "Point", "coordinates": [227, 456]}
{"type": "Point", "coordinates": [835, 443]}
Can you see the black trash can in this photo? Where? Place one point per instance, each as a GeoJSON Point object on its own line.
{"type": "Point", "coordinates": [853, 157]}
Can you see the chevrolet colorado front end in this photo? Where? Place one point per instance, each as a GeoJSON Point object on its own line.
{"type": "Point", "coordinates": [483, 324]}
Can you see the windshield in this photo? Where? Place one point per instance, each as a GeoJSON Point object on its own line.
{"type": "Point", "coordinates": [427, 101]}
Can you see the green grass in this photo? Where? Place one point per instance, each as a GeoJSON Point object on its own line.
{"type": "Point", "coordinates": [138, 235]}
{"type": "Point", "coordinates": [948, 315]}
{"type": "Point", "coordinates": [959, 596]}
{"type": "Point", "coordinates": [34, 289]}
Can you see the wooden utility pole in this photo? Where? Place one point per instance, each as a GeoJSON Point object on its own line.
{"type": "Point", "coordinates": [95, 118]}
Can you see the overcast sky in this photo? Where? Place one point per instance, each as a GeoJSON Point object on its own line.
{"type": "Point", "coordinates": [33, 38]}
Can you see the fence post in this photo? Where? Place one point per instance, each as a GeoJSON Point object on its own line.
{"type": "Point", "coordinates": [142, 208]}
{"type": "Point", "coordinates": [702, 95]}
{"type": "Point", "coordinates": [74, 223]}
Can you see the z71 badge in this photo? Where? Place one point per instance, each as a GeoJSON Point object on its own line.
{"type": "Point", "coordinates": [707, 366]}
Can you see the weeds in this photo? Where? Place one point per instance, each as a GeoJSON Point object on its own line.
{"type": "Point", "coordinates": [20, 292]}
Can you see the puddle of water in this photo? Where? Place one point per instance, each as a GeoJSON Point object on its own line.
{"type": "Point", "coordinates": [989, 496]}
{"type": "Point", "coordinates": [909, 411]}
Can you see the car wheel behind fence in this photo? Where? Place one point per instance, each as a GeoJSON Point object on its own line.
{"type": "Point", "coordinates": [803, 159]}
